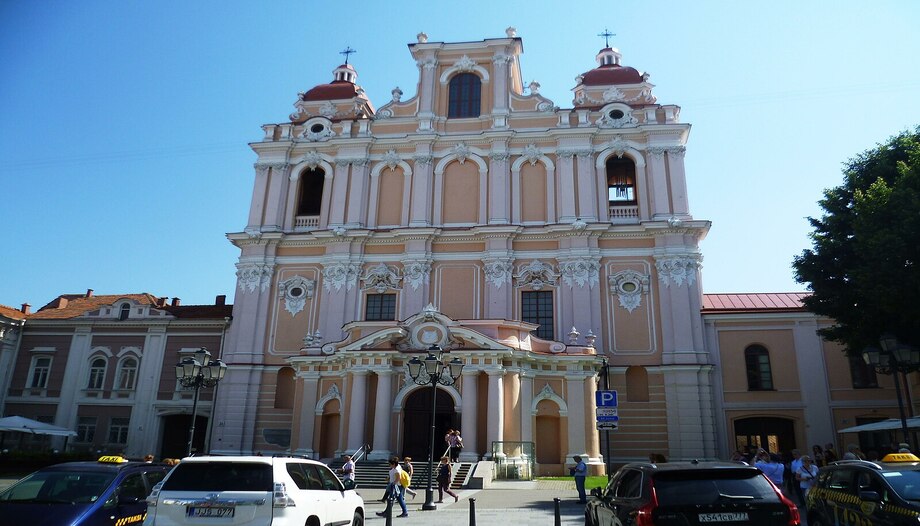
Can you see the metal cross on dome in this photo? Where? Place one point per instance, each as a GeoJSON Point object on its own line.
{"type": "Point", "coordinates": [346, 52]}
{"type": "Point", "coordinates": [606, 34]}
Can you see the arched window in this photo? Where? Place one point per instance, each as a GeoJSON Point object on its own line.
{"type": "Point", "coordinates": [284, 391]}
{"type": "Point", "coordinates": [127, 374]}
{"type": "Point", "coordinates": [96, 374]}
{"type": "Point", "coordinates": [621, 181]}
{"type": "Point", "coordinates": [464, 96]}
{"type": "Point", "coordinates": [125, 311]}
{"type": "Point", "coordinates": [757, 364]}
{"type": "Point", "coordinates": [310, 200]}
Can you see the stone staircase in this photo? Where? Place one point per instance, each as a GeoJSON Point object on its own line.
{"type": "Point", "coordinates": [375, 474]}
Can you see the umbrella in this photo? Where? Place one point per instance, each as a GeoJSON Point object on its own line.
{"type": "Point", "coordinates": [884, 425]}
{"type": "Point", "coordinates": [27, 425]}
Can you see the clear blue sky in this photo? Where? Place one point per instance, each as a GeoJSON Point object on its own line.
{"type": "Point", "coordinates": [124, 125]}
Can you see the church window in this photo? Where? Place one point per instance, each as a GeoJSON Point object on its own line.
{"type": "Point", "coordinates": [862, 374]}
{"type": "Point", "coordinates": [757, 364]}
{"type": "Point", "coordinates": [380, 307]}
{"type": "Point", "coordinates": [41, 367]}
{"type": "Point", "coordinates": [464, 96]}
{"type": "Point", "coordinates": [537, 308]}
{"type": "Point", "coordinates": [311, 192]}
{"type": "Point", "coordinates": [124, 312]}
{"type": "Point", "coordinates": [96, 374]}
{"type": "Point", "coordinates": [621, 180]}
{"type": "Point", "coordinates": [616, 114]}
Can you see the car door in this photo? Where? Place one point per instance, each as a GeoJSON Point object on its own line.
{"type": "Point", "coordinates": [127, 504]}
{"type": "Point", "coordinates": [602, 507]}
{"type": "Point", "coordinates": [875, 501]}
{"type": "Point", "coordinates": [310, 491]}
{"type": "Point", "coordinates": [621, 500]}
{"type": "Point", "coordinates": [340, 512]}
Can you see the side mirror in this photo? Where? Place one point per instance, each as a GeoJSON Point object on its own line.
{"type": "Point", "coordinates": [871, 496]}
{"type": "Point", "coordinates": [596, 492]}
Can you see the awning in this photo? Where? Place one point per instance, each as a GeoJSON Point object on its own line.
{"type": "Point", "coordinates": [22, 424]}
{"type": "Point", "coordinates": [884, 425]}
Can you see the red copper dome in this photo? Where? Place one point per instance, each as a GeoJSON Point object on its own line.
{"type": "Point", "coordinates": [338, 89]}
{"type": "Point", "coordinates": [611, 74]}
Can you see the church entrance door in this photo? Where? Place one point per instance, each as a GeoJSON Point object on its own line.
{"type": "Point", "coordinates": [417, 426]}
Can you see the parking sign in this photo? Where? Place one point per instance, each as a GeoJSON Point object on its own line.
{"type": "Point", "coordinates": [605, 398]}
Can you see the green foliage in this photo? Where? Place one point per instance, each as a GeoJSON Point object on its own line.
{"type": "Point", "coordinates": [864, 266]}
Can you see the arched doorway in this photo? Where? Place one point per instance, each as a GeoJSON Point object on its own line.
{"type": "Point", "coordinates": [771, 433]}
{"type": "Point", "coordinates": [175, 435]}
{"type": "Point", "coordinates": [329, 429]}
{"type": "Point", "coordinates": [417, 424]}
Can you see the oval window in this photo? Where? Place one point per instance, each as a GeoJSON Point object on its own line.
{"type": "Point", "coordinates": [616, 114]}
{"type": "Point", "coordinates": [629, 286]}
{"type": "Point", "coordinates": [296, 292]}
{"type": "Point", "coordinates": [316, 128]}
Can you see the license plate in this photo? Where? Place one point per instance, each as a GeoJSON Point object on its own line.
{"type": "Point", "coordinates": [724, 517]}
{"type": "Point", "coordinates": [210, 511]}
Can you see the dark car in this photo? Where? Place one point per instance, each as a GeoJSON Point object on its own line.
{"type": "Point", "coordinates": [689, 493]}
{"type": "Point", "coordinates": [110, 492]}
{"type": "Point", "coordinates": [857, 493]}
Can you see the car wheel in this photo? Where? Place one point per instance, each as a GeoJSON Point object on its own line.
{"type": "Point", "coordinates": [358, 520]}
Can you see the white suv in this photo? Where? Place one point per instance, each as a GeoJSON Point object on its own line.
{"type": "Point", "coordinates": [280, 491]}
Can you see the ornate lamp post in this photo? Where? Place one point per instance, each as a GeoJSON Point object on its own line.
{"type": "Point", "coordinates": [893, 358]}
{"type": "Point", "coordinates": [196, 372]}
{"type": "Point", "coordinates": [431, 371]}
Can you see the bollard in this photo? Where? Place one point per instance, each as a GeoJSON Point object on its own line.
{"type": "Point", "coordinates": [558, 513]}
{"type": "Point", "coordinates": [389, 512]}
{"type": "Point", "coordinates": [472, 511]}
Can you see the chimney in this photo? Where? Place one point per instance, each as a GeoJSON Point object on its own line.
{"type": "Point", "coordinates": [175, 302]}
{"type": "Point", "coordinates": [161, 302]}
{"type": "Point", "coordinates": [89, 293]}
{"type": "Point", "coordinates": [26, 309]}
{"type": "Point", "coordinates": [220, 300]}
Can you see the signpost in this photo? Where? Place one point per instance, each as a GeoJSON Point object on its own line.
{"type": "Point", "coordinates": [606, 413]}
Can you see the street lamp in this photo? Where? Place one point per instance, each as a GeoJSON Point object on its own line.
{"type": "Point", "coordinates": [430, 371]}
{"type": "Point", "coordinates": [894, 358]}
{"type": "Point", "coordinates": [196, 372]}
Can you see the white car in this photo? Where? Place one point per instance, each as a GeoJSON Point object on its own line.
{"type": "Point", "coordinates": [280, 491]}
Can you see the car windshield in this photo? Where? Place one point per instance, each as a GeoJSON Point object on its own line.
{"type": "Point", "coordinates": [220, 476]}
{"type": "Point", "coordinates": [905, 483]}
{"type": "Point", "coordinates": [59, 487]}
{"type": "Point", "coordinates": [679, 488]}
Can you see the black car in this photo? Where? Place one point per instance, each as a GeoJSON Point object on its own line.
{"type": "Point", "coordinates": [862, 493]}
{"type": "Point", "coordinates": [689, 493]}
{"type": "Point", "coordinates": [110, 491]}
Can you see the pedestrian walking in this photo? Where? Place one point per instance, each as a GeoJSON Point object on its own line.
{"type": "Point", "coordinates": [444, 478]}
{"type": "Point", "coordinates": [407, 467]}
{"type": "Point", "coordinates": [807, 475]}
{"type": "Point", "coordinates": [348, 472]}
{"type": "Point", "coordinates": [456, 445]}
{"type": "Point", "coordinates": [395, 489]}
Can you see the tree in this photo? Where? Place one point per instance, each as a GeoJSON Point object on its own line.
{"type": "Point", "coordinates": [864, 266]}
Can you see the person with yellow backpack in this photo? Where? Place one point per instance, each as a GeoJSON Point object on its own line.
{"type": "Point", "coordinates": [410, 471]}
{"type": "Point", "coordinates": [395, 488]}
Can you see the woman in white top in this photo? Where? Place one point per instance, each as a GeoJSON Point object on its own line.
{"type": "Point", "coordinates": [807, 474]}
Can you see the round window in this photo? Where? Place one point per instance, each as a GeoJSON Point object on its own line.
{"type": "Point", "coordinates": [616, 114]}
{"type": "Point", "coordinates": [629, 286]}
{"type": "Point", "coordinates": [296, 292]}
{"type": "Point", "coordinates": [316, 128]}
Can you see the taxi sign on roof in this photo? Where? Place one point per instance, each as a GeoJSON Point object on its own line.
{"type": "Point", "coordinates": [112, 459]}
{"type": "Point", "coordinates": [900, 457]}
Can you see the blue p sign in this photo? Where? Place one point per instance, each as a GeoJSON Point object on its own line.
{"type": "Point", "coordinates": [605, 398]}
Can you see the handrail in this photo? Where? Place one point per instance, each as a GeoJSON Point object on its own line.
{"type": "Point", "coordinates": [360, 453]}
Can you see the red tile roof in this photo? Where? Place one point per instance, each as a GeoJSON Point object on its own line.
{"type": "Point", "coordinates": [339, 89]}
{"type": "Point", "coordinates": [758, 302]}
{"type": "Point", "coordinates": [611, 74]}
{"type": "Point", "coordinates": [68, 306]}
{"type": "Point", "coordinates": [10, 312]}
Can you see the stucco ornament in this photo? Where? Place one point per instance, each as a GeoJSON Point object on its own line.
{"type": "Point", "coordinates": [498, 156]}
{"type": "Point", "coordinates": [677, 151]}
{"type": "Point", "coordinates": [338, 275]}
{"type": "Point", "coordinates": [619, 145]}
{"type": "Point", "coordinates": [498, 271]}
{"type": "Point", "coordinates": [678, 269]}
{"type": "Point", "coordinates": [416, 272]}
{"type": "Point", "coordinates": [613, 94]}
{"type": "Point", "coordinates": [427, 63]}
{"type": "Point", "coordinates": [381, 278]}
{"type": "Point", "coordinates": [534, 87]}
{"type": "Point", "coordinates": [319, 135]}
{"type": "Point", "coordinates": [510, 31]}
{"type": "Point", "coordinates": [531, 154]}
{"type": "Point", "coordinates": [396, 93]}
{"type": "Point", "coordinates": [627, 120]}
{"type": "Point", "coordinates": [391, 159]}
{"type": "Point", "coordinates": [253, 275]}
{"type": "Point", "coordinates": [580, 271]}
{"type": "Point", "coordinates": [384, 113]}
{"type": "Point", "coordinates": [327, 109]}
{"type": "Point", "coordinates": [422, 37]}
{"type": "Point", "coordinates": [547, 106]}
{"type": "Point", "coordinates": [656, 151]}
{"type": "Point", "coordinates": [312, 159]}
{"type": "Point", "coordinates": [536, 275]}
{"type": "Point", "coordinates": [629, 286]}
{"type": "Point", "coordinates": [465, 63]}
{"type": "Point", "coordinates": [296, 291]}
{"type": "Point", "coordinates": [579, 225]}
{"type": "Point", "coordinates": [462, 151]}
{"type": "Point", "coordinates": [422, 159]}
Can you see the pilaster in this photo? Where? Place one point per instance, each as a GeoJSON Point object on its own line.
{"type": "Point", "coordinates": [575, 399]}
{"type": "Point", "coordinates": [468, 417]}
{"type": "Point", "coordinates": [357, 410]}
{"type": "Point", "coordinates": [383, 415]}
{"type": "Point", "coordinates": [305, 413]}
{"type": "Point", "coordinates": [495, 424]}
{"type": "Point", "coordinates": [587, 187]}
{"type": "Point", "coordinates": [566, 191]}
{"type": "Point", "coordinates": [142, 435]}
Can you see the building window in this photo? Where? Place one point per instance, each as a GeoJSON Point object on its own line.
{"type": "Point", "coordinates": [464, 96]}
{"type": "Point", "coordinates": [86, 429]}
{"type": "Point", "coordinates": [96, 374]}
{"type": "Point", "coordinates": [38, 377]}
{"type": "Point", "coordinates": [380, 307]}
{"type": "Point", "coordinates": [621, 181]}
{"type": "Point", "coordinates": [118, 430]}
{"type": "Point", "coordinates": [757, 363]}
{"type": "Point", "coordinates": [310, 201]}
{"type": "Point", "coordinates": [862, 374]}
{"type": "Point", "coordinates": [537, 308]}
{"type": "Point", "coordinates": [127, 374]}
{"type": "Point", "coordinates": [125, 312]}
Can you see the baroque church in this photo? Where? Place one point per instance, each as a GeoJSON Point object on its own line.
{"type": "Point", "coordinates": [537, 244]}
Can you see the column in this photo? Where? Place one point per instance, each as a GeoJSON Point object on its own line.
{"type": "Point", "coordinates": [468, 416]}
{"type": "Point", "coordinates": [565, 168]}
{"type": "Point", "coordinates": [658, 181]}
{"type": "Point", "coordinates": [678, 182]}
{"type": "Point", "coordinates": [383, 415]}
{"type": "Point", "coordinates": [142, 437]}
{"type": "Point", "coordinates": [339, 193]}
{"type": "Point", "coordinates": [496, 418]}
{"type": "Point", "coordinates": [357, 409]}
{"type": "Point", "coordinates": [420, 212]}
{"type": "Point", "coordinates": [688, 395]}
{"type": "Point", "coordinates": [427, 85]}
{"type": "Point", "coordinates": [257, 205]}
{"type": "Point", "coordinates": [526, 403]}
{"type": "Point", "coordinates": [499, 189]}
{"type": "Point", "coordinates": [77, 368]}
{"type": "Point", "coordinates": [274, 212]}
{"type": "Point", "coordinates": [575, 391]}
{"type": "Point", "coordinates": [307, 413]}
{"type": "Point", "coordinates": [592, 440]}
{"type": "Point", "coordinates": [357, 195]}
{"type": "Point", "coordinates": [500, 97]}
{"type": "Point", "coordinates": [587, 187]}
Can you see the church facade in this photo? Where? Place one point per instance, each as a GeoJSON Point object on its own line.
{"type": "Point", "coordinates": [531, 242]}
